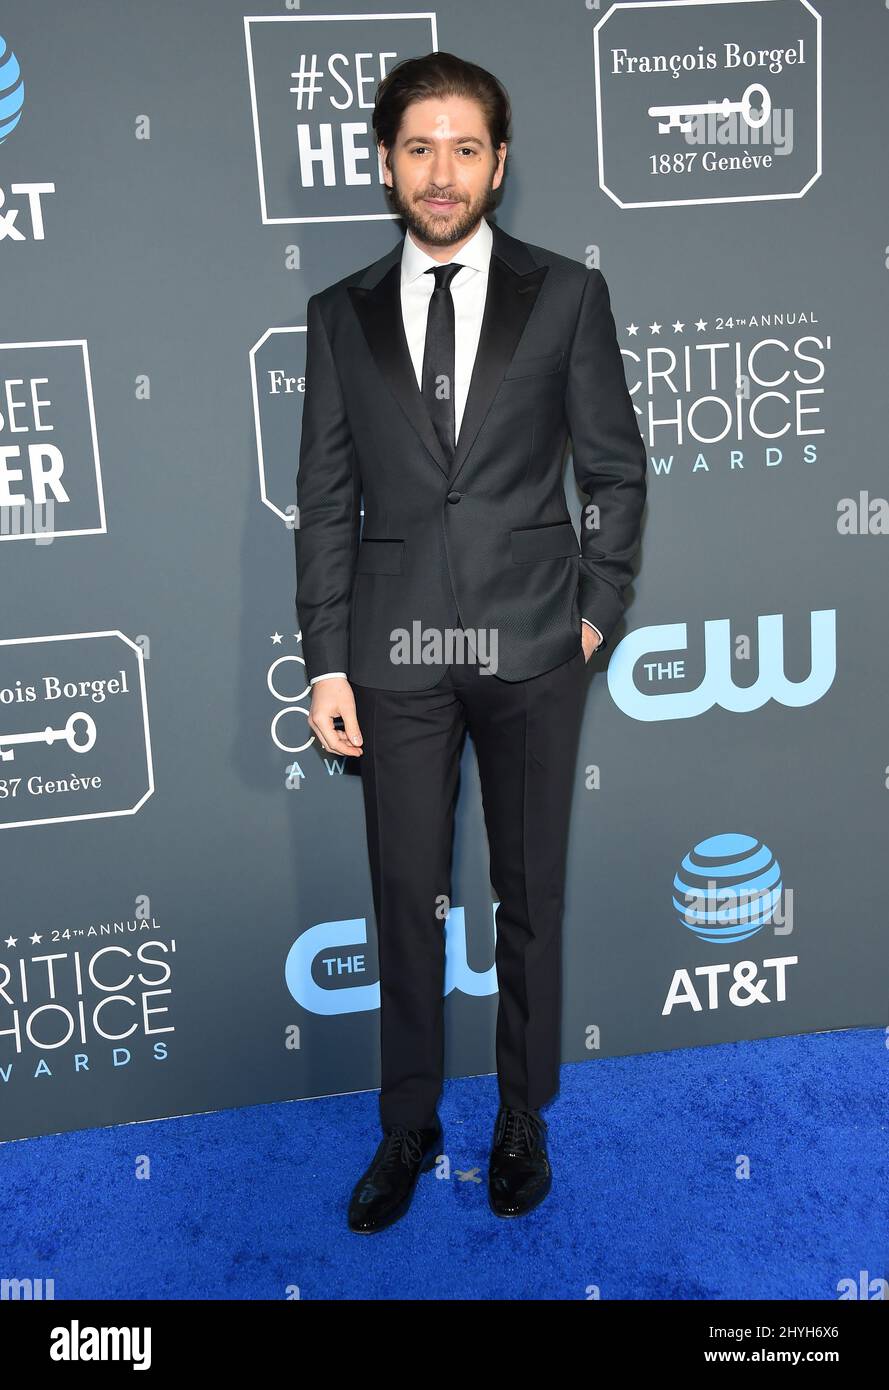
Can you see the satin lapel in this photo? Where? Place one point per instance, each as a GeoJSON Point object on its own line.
{"type": "Point", "coordinates": [379, 310]}
{"type": "Point", "coordinates": [508, 304]}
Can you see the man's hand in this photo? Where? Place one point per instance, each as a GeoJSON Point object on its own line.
{"type": "Point", "coordinates": [331, 697]}
{"type": "Point", "coordinates": [589, 639]}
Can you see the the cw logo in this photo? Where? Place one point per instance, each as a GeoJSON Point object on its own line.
{"type": "Point", "coordinates": [332, 945]}
{"type": "Point", "coordinates": [717, 686]}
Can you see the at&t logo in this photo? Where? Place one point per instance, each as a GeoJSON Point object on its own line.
{"type": "Point", "coordinates": [12, 90]}
{"type": "Point", "coordinates": [727, 889]}
{"type": "Point", "coordinates": [12, 100]}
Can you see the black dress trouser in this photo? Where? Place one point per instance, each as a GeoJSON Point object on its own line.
{"type": "Point", "coordinates": [526, 736]}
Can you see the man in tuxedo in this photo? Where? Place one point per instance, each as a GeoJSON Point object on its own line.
{"type": "Point", "coordinates": [442, 383]}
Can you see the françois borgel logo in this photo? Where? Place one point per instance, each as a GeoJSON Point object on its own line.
{"type": "Point", "coordinates": [708, 101]}
{"type": "Point", "coordinates": [74, 738]}
{"type": "Point", "coordinates": [278, 382]}
{"type": "Point", "coordinates": [312, 80]}
{"type": "Point", "coordinates": [50, 476]}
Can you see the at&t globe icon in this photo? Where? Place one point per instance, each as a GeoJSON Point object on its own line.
{"type": "Point", "coordinates": [727, 888]}
{"type": "Point", "coordinates": [12, 90]}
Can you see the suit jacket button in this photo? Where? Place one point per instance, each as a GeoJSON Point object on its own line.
{"type": "Point", "coordinates": [454, 496]}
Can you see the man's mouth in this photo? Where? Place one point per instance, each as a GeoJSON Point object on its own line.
{"type": "Point", "coordinates": [442, 204]}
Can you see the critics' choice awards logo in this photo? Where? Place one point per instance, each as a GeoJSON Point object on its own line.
{"type": "Point", "coordinates": [702, 102]}
{"type": "Point", "coordinates": [50, 476]}
{"type": "Point", "coordinates": [21, 202]}
{"type": "Point", "coordinates": [74, 737]}
{"type": "Point", "coordinates": [288, 683]}
{"type": "Point", "coordinates": [67, 1011]}
{"type": "Point", "coordinates": [731, 395]}
{"type": "Point", "coordinates": [727, 889]}
{"type": "Point", "coordinates": [312, 82]}
{"type": "Point", "coordinates": [657, 673]}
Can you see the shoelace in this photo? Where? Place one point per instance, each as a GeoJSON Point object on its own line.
{"type": "Point", "coordinates": [520, 1131]}
{"type": "Point", "coordinates": [402, 1145]}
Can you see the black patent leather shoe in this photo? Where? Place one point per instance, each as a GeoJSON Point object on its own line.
{"type": "Point", "coordinates": [519, 1175]}
{"type": "Point", "coordinates": [385, 1191]}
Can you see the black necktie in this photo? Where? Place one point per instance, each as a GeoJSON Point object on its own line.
{"type": "Point", "coordinates": [438, 357]}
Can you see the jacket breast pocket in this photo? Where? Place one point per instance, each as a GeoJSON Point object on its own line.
{"type": "Point", "coordinates": [543, 542]}
{"type": "Point", "coordinates": [544, 364]}
{"type": "Point", "coordinates": [380, 557]}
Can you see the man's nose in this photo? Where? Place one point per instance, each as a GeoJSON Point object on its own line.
{"type": "Point", "coordinates": [442, 169]}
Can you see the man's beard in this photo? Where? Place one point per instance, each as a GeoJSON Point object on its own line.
{"type": "Point", "coordinates": [437, 229]}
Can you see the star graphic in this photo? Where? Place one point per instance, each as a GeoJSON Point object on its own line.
{"type": "Point", "coordinates": [655, 327]}
{"type": "Point", "coordinates": [276, 639]}
{"type": "Point", "coordinates": [700, 325]}
{"type": "Point", "coordinates": [633, 329]}
{"type": "Point", "coordinates": [36, 940]}
{"type": "Point", "coordinates": [678, 327]}
{"type": "Point", "coordinates": [11, 940]}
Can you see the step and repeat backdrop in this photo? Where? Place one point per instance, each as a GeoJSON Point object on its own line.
{"type": "Point", "coordinates": [187, 921]}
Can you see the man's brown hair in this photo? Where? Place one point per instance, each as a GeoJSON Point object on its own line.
{"type": "Point", "coordinates": [439, 75]}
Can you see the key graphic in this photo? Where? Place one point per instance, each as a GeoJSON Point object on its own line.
{"type": "Point", "coordinates": [50, 736]}
{"type": "Point", "coordinates": [678, 116]}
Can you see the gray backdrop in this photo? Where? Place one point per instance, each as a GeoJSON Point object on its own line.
{"type": "Point", "coordinates": [187, 917]}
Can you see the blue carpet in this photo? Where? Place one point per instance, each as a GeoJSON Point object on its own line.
{"type": "Point", "coordinates": [646, 1203]}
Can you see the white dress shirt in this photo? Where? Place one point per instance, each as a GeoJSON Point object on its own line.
{"type": "Point", "coordinates": [469, 289]}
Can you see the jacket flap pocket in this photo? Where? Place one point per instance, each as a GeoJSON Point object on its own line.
{"type": "Point", "coordinates": [541, 365]}
{"type": "Point", "coordinates": [544, 542]}
{"type": "Point", "coordinates": [380, 557]}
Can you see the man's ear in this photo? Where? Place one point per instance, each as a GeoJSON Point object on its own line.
{"type": "Point", "coordinates": [383, 154]}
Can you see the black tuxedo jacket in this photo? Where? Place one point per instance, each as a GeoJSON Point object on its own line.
{"type": "Point", "coordinates": [487, 541]}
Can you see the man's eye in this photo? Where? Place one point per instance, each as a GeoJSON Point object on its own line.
{"type": "Point", "coordinates": [465, 149]}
